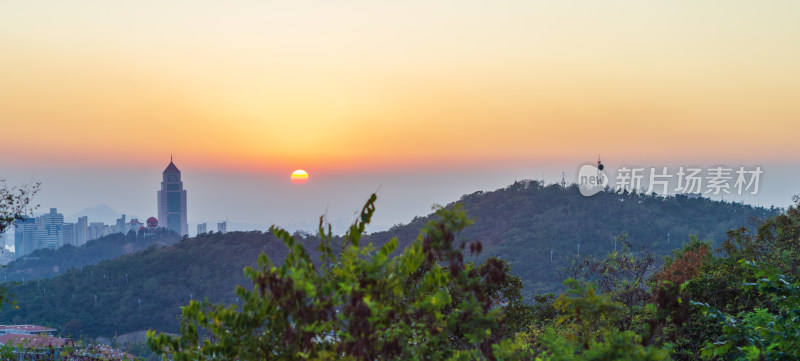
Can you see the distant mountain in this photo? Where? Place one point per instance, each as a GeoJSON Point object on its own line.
{"type": "Point", "coordinates": [521, 223]}
{"type": "Point", "coordinates": [98, 213]}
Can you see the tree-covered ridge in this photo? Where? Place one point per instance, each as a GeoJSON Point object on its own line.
{"type": "Point", "coordinates": [210, 265]}
{"type": "Point", "coordinates": [359, 302]}
{"type": "Point", "coordinates": [738, 302]}
{"type": "Point", "coordinates": [523, 222]}
{"type": "Point", "coordinates": [48, 263]}
{"type": "Point", "coordinates": [162, 277]}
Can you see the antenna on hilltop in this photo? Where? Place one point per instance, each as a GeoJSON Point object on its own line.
{"type": "Point", "coordinates": [563, 180]}
{"type": "Point", "coordinates": [600, 167]}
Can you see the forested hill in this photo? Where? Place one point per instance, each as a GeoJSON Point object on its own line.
{"type": "Point", "coordinates": [143, 290]}
{"type": "Point", "coordinates": [523, 222]}
{"type": "Point", "coordinates": [47, 263]}
{"type": "Point", "coordinates": [520, 223]}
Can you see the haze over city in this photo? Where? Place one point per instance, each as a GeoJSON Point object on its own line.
{"type": "Point", "coordinates": [420, 102]}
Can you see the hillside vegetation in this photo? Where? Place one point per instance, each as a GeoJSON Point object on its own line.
{"type": "Point", "coordinates": [48, 263]}
{"type": "Point", "coordinates": [104, 299]}
{"type": "Point", "coordinates": [523, 222]}
{"type": "Point", "coordinates": [519, 224]}
{"type": "Point", "coordinates": [740, 302]}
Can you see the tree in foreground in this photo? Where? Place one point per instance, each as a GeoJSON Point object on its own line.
{"type": "Point", "coordinates": [362, 303]}
{"type": "Point", "coordinates": [15, 203]}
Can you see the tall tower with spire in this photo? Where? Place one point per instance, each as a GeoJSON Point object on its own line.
{"type": "Point", "coordinates": [172, 201]}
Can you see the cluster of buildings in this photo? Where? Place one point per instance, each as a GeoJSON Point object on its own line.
{"type": "Point", "coordinates": [50, 230]}
{"type": "Point", "coordinates": [29, 335]}
{"type": "Point", "coordinates": [222, 227]}
{"type": "Point", "coordinates": [34, 342]}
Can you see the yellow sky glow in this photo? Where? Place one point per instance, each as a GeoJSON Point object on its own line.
{"type": "Point", "coordinates": [360, 84]}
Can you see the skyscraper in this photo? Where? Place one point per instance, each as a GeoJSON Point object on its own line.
{"type": "Point", "coordinates": [120, 227]}
{"type": "Point", "coordinates": [69, 231]}
{"type": "Point", "coordinates": [52, 224]}
{"type": "Point", "coordinates": [81, 231]}
{"type": "Point", "coordinates": [172, 201]}
{"type": "Point", "coordinates": [24, 244]}
{"type": "Point", "coordinates": [95, 230]}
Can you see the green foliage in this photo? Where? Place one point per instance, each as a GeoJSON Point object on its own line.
{"type": "Point", "coordinates": [15, 203]}
{"type": "Point", "coordinates": [523, 222]}
{"type": "Point", "coordinates": [440, 295]}
{"type": "Point", "coordinates": [759, 334]}
{"type": "Point", "coordinates": [358, 304]}
{"type": "Point", "coordinates": [162, 277]}
{"type": "Point", "coordinates": [586, 329]}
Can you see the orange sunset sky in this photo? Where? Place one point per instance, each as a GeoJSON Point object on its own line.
{"type": "Point", "coordinates": [425, 100]}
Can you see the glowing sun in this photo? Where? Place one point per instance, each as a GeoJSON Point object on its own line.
{"type": "Point", "coordinates": [299, 176]}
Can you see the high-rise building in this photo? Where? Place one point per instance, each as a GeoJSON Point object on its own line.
{"type": "Point", "coordinates": [52, 224]}
{"type": "Point", "coordinates": [172, 201]}
{"type": "Point", "coordinates": [95, 230]}
{"type": "Point", "coordinates": [24, 229]}
{"type": "Point", "coordinates": [222, 227]}
{"type": "Point", "coordinates": [120, 226]}
{"type": "Point", "coordinates": [69, 234]}
{"type": "Point", "coordinates": [81, 231]}
{"type": "Point", "coordinates": [201, 228]}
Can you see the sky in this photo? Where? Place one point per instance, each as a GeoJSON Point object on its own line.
{"type": "Point", "coordinates": [419, 101]}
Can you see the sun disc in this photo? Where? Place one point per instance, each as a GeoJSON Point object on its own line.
{"type": "Point", "coordinates": [299, 176]}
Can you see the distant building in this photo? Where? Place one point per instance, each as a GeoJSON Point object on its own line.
{"type": "Point", "coordinates": [69, 231]}
{"type": "Point", "coordinates": [33, 336]}
{"type": "Point", "coordinates": [95, 230]}
{"type": "Point", "coordinates": [107, 230]}
{"type": "Point", "coordinates": [52, 224]}
{"type": "Point", "coordinates": [134, 225]}
{"type": "Point", "coordinates": [172, 201]}
{"type": "Point", "coordinates": [26, 330]}
{"type": "Point", "coordinates": [201, 228]}
{"type": "Point", "coordinates": [81, 231]}
{"type": "Point", "coordinates": [46, 231]}
{"type": "Point", "coordinates": [222, 227]}
{"type": "Point", "coordinates": [120, 226]}
{"type": "Point", "coordinates": [24, 229]}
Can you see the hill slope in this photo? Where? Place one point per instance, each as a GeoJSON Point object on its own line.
{"type": "Point", "coordinates": [47, 263]}
{"type": "Point", "coordinates": [104, 299]}
{"type": "Point", "coordinates": [520, 223]}
{"type": "Point", "coordinates": [523, 222]}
